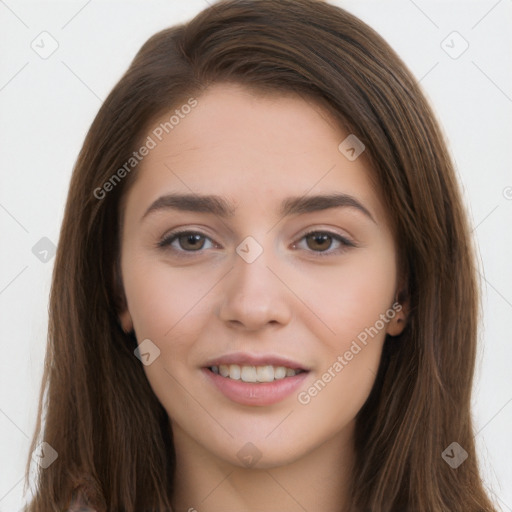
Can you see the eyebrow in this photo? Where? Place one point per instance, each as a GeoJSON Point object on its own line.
{"type": "Point", "coordinates": [222, 208]}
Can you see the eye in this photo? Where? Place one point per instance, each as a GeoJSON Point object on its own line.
{"type": "Point", "coordinates": [322, 241]}
{"type": "Point", "coordinates": [187, 241]}
{"type": "Point", "coordinates": [319, 242]}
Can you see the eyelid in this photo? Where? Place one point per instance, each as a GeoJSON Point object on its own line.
{"type": "Point", "coordinates": [328, 231]}
{"type": "Point", "coordinates": [170, 237]}
{"type": "Point", "coordinates": [345, 241]}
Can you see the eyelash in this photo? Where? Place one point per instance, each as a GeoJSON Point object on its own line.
{"type": "Point", "coordinates": [166, 242]}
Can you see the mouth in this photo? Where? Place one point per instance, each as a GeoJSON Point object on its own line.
{"type": "Point", "coordinates": [255, 374]}
{"type": "Point", "coordinates": [255, 379]}
{"type": "Point", "coordinates": [256, 384]}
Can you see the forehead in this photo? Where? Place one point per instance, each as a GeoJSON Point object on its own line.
{"type": "Point", "coordinates": [251, 147]}
{"type": "Point", "coordinates": [233, 118]}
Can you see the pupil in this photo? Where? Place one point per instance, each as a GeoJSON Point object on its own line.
{"type": "Point", "coordinates": [321, 238]}
{"type": "Point", "coordinates": [193, 240]}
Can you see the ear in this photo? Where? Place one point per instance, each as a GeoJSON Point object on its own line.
{"type": "Point", "coordinates": [399, 311]}
{"type": "Point", "coordinates": [124, 317]}
{"type": "Point", "coordinates": [397, 323]}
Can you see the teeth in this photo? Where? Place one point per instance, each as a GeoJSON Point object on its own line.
{"type": "Point", "coordinates": [248, 374]}
{"type": "Point", "coordinates": [234, 372]}
{"type": "Point", "coordinates": [266, 373]}
{"type": "Point", "coordinates": [280, 372]}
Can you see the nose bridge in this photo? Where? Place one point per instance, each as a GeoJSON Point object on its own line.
{"type": "Point", "coordinates": [253, 295]}
{"type": "Point", "coordinates": [251, 265]}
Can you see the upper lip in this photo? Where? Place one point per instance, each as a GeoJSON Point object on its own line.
{"type": "Point", "coordinates": [246, 359]}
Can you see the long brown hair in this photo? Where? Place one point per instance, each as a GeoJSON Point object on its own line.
{"type": "Point", "coordinates": [97, 410]}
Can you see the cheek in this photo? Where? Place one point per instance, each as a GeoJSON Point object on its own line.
{"type": "Point", "coordinates": [359, 295]}
{"type": "Point", "coordinates": [172, 308]}
{"type": "Point", "coordinates": [350, 297]}
{"type": "Point", "coordinates": [161, 300]}
{"type": "Point", "coordinates": [166, 307]}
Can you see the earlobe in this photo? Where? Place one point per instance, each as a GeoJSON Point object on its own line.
{"type": "Point", "coordinates": [397, 323]}
{"type": "Point", "coordinates": [400, 308]}
{"type": "Point", "coordinates": [125, 320]}
{"type": "Point", "coordinates": [124, 317]}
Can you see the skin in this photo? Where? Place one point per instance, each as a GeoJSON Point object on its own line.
{"type": "Point", "coordinates": [292, 301]}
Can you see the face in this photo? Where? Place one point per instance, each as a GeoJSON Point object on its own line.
{"type": "Point", "coordinates": [278, 279]}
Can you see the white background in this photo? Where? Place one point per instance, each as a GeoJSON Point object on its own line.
{"type": "Point", "coordinates": [48, 104]}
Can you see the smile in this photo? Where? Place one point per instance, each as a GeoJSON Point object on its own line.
{"type": "Point", "coordinates": [255, 392]}
{"type": "Point", "coordinates": [248, 373]}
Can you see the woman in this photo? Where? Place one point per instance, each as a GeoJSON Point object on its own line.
{"type": "Point", "coordinates": [264, 282]}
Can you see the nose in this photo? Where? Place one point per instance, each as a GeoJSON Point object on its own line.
{"type": "Point", "coordinates": [254, 294]}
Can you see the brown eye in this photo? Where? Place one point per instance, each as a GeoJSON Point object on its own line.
{"type": "Point", "coordinates": [319, 241]}
{"type": "Point", "coordinates": [191, 241]}
{"type": "Point", "coordinates": [325, 243]}
{"type": "Point", "coordinates": [184, 241]}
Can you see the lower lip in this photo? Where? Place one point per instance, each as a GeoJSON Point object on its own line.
{"type": "Point", "coordinates": [259, 393]}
